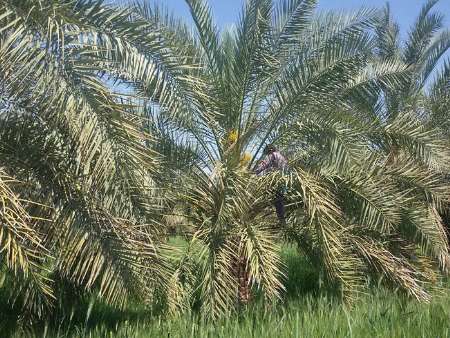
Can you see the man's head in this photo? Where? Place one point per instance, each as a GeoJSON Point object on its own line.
{"type": "Point", "coordinates": [269, 149]}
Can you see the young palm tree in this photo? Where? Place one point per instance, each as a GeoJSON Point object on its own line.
{"type": "Point", "coordinates": [313, 85]}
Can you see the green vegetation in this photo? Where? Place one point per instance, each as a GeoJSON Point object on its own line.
{"type": "Point", "coordinates": [380, 316]}
{"type": "Point", "coordinates": [308, 311]}
{"type": "Point", "coordinates": [127, 148]}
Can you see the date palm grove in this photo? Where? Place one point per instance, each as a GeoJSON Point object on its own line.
{"type": "Point", "coordinates": [115, 118]}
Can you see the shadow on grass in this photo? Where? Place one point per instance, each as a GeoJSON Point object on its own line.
{"type": "Point", "coordinates": [75, 318]}
{"type": "Point", "coordinates": [301, 278]}
{"type": "Point", "coordinates": [78, 317]}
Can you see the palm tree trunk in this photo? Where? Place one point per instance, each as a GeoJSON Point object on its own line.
{"type": "Point", "coordinates": [240, 272]}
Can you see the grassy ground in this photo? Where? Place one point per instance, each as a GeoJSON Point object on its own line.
{"type": "Point", "coordinates": [307, 312]}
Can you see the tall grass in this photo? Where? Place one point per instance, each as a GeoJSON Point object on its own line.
{"type": "Point", "coordinates": [308, 311]}
{"type": "Point", "coordinates": [377, 316]}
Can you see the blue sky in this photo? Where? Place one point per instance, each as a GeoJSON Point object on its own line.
{"type": "Point", "coordinates": [226, 12]}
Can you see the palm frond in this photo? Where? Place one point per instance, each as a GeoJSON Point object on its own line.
{"type": "Point", "coordinates": [207, 31]}
{"type": "Point", "coordinates": [22, 250]}
{"type": "Point", "coordinates": [433, 55]}
{"type": "Point", "coordinates": [387, 32]}
{"type": "Point", "coordinates": [291, 18]}
{"type": "Point", "coordinates": [422, 31]}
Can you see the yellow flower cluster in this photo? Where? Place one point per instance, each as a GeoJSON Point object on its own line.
{"type": "Point", "coordinates": [232, 136]}
{"type": "Point", "coordinates": [245, 159]}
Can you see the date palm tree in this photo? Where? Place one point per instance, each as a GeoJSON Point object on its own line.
{"type": "Point", "coordinates": [424, 96]}
{"type": "Point", "coordinates": [313, 85]}
{"type": "Point", "coordinates": [78, 198]}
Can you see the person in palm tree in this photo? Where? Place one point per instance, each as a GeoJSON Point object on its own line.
{"type": "Point", "coordinates": [274, 161]}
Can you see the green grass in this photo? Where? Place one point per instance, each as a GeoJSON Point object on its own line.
{"type": "Point", "coordinates": [375, 317]}
{"type": "Point", "coordinates": [308, 311]}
